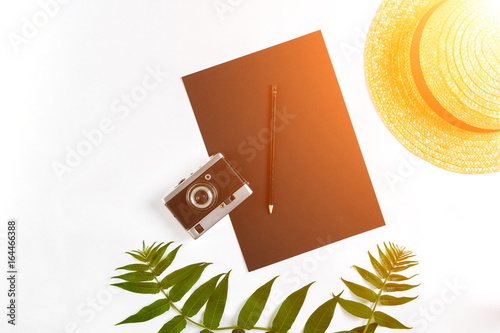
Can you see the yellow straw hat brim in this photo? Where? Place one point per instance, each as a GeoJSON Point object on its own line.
{"type": "Point", "coordinates": [440, 138]}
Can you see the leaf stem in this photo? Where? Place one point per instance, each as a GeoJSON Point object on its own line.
{"type": "Point", "coordinates": [172, 303]}
{"type": "Point", "coordinates": [376, 302]}
{"type": "Point", "coordinates": [189, 319]}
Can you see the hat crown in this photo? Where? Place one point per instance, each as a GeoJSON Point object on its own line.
{"type": "Point", "coordinates": [460, 60]}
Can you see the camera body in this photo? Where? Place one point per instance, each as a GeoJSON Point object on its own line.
{"type": "Point", "coordinates": [207, 195]}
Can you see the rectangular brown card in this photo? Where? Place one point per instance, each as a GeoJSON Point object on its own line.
{"type": "Point", "coordinates": [322, 190]}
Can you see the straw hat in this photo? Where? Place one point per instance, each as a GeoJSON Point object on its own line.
{"type": "Point", "coordinates": [433, 71]}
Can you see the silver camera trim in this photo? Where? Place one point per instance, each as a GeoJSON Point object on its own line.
{"type": "Point", "coordinates": [182, 185]}
{"type": "Point", "coordinates": [220, 211]}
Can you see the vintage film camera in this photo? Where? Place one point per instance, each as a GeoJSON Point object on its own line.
{"type": "Point", "coordinates": [207, 195]}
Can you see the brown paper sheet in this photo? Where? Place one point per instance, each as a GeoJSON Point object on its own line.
{"type": "Point", "coordinates": [322, 190]}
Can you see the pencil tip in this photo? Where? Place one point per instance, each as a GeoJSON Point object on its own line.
{"type": "Point", "coordinates": [271, 209]}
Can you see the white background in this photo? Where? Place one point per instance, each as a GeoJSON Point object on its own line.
{"type": "Point", "coordinates": [69, 74]}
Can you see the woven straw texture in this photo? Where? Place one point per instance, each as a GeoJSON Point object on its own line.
{"type": "Point", "coordinates": [459, 58]}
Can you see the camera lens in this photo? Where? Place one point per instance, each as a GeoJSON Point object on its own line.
{"type": "Point", "coordinates": [202, 196]}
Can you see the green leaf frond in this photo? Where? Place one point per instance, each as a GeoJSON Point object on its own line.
{"type": "Point", "coordinates": [150, 276]}
{"type": "Point", "coordinates": [384, 281]}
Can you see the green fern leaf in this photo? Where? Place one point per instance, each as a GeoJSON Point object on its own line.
{"type": "Point", "coordinates": [134, 267]}
{"type": "Point", "coordinates": [139, 287]}
{"type": "Point", "coordinates": [386, 262]}
{"type": "Point", "coordinates": [252, 310]}
{"type": "Point", "coordinates": [289, 310]}
{"type": "Point", "coordinates": [147, 250]}
{"type": "Point", "coordinates": [394, 259]}
{"type": "Point", "coordinates": [397, 277]}
{"type": "Point", "coordinates": [356, 309]}
{"type": "Point", "coordinates": [391, 287]}
{"type": "Point", "coordinates": [153, 252]}
{"type": "Point", "coordinates": [166, 262]}
{"type": "Point", "coordinates": [159, 254]}
{"type": "Point", "coordinates": [391, 300]}
{"type": "Point", "coordinates": [180, 289]}
{"type": "Point", "coordinates": [200, 296]}
{"type": "Point", "coordinates": [139, 257]}
{"type": "Point", "coordinates": [177, 276]}
{"type": "Point", "coordinates": [216, 304]}
{"type": "Point", "coordinates": [403, 268]}
{"type": "Point", "coordinates": [361, 291]}
{"type": "Point", "coordinates": [136, 276]}
{"type": "Point", "coordinates": [381, 271]}
{"type": "Point", "coordinates": [148, 312]}
{"type": "Point", "coordinates": [390, 254]}
{"type": "Point", "coordinates": [320, 319]}
{"type": "Point", "coordinates": [387, 321]}
{"type": "Point", "coordinates": [175, 325]}
{"type": "Point", "coordinates": [407, 262]}
{"type": "Point", "coordinates": [369, 277]}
